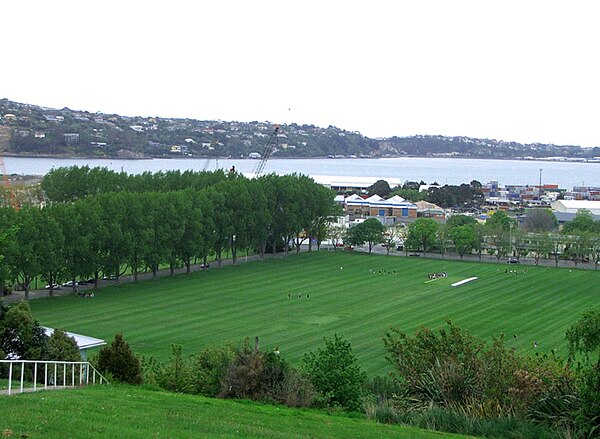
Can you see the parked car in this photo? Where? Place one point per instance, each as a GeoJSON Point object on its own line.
{"type": "Point", "coordinates": [414, 254]}
{"type": "Point", "coordinates": [400, 248]}
{"type": "Point", "coordinates": [512, 261]}
{"type": "Point", "coordinates": [54, 287]}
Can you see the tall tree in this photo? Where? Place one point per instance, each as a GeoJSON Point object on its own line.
{"type": "Point", "coordinates": [380, 187]}
{"type": "Point", "coordinates": [370, 232]}
{"type": "Point", "coordinates": [463, 238]}
{"type": "Point", "coordinates": [50, 247]}
{"type": "Point", "coordinates": [422, 234]}
{"type": "Point", "coordinates": [539, 220]}
{"type": "Point", "coordinates": [21, 250]}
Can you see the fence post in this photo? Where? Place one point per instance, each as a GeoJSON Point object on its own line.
{"type": "Point", "coordinates": [35, 376]}
{"type": "Point", "coordinates": [10, 378]}
{"type": "Point", "coordinates": [22, 374]}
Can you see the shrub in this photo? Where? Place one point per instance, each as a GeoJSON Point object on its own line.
{"type": "Point", "coordinates": [209, 368]}
{"type": "Point", "coordinates": [336, 374]}
{"type": "Point", "coordinates": [588, 416]}
{"type": "Point", "coordinates": [175, 375]}
{"type": "Point", "coordinates": [254, 375]}
{"type": "Point", "coordinates": [61, 347]}
{"type": "Point", "coordinates": [436, 368]}
{"type": "Point", "coordinates": [382, 388]}
{"type": "Point", "coordinates": [296, 390]}
{"type": "Point", "coordinates": [119, 360]}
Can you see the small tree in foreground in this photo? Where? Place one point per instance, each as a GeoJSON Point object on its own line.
{"type": "Point", "coordinates": [118, 360]}
{"type": "Point", "coordinates": [21, 336]}
{"type": "Point", "coordinates": [61, 347]}
{"type": "Point", "coordinates": [336, 374]}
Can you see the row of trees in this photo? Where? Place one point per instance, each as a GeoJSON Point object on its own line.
{"type": "Point", "coordinates": [112, 232]}
{"type": "Point", "coordinates": [500, 236]}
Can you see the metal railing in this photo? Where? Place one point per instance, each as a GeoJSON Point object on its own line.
{"type": "Point", "coordinates": [33, 375]}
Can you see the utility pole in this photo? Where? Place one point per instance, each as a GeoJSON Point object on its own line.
{"type": "Point", "coordinates": [540, 186]}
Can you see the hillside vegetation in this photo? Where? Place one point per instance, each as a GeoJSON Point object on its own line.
{"type": "Point", "coordinates": [36, 130]}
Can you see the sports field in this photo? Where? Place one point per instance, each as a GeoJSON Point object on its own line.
{"type": "Point", "coordinates": [292, 302]}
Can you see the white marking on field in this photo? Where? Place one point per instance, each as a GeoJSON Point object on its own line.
{"type": "Point", "coordinates": [464, 281]}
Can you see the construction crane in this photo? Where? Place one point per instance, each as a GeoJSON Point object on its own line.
{"type": "Point", "coordinates": [269, 148]}
{"type": "Point", "coordinates": [7, 186]}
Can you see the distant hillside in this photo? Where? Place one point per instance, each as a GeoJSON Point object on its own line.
{"type": "Point", "coordinates": [31, 130]}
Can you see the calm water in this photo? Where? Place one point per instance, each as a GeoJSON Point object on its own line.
{"type": "Point", "coordinates": [441, 170]}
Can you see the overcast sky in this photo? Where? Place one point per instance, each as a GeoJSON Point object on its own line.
{"type": "Point", "coordinates": [521, 70]}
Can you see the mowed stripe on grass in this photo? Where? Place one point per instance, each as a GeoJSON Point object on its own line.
{"type": "Point", "coordinates": [356, 295]}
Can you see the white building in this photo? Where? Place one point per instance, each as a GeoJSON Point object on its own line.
{"type": "Point", "coordinates": [574, 206]}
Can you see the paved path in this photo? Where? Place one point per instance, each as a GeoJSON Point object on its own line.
{"type": "Point", "coordinates": [17, 296]}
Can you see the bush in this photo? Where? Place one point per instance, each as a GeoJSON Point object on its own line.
{"type": "Point", "coordinates": [175, 376]}
{"type": "Point", "coordinates": [209, 368]}
{"type": "Point", "coordinates": [296, 390]}
{"type": "Point", "coordinates": [442, 368]}
{"type": "Point", "coordinates": [119, 360]}
{"type": "Point", "coordinates": [253, 375]}
{"type": "Point", "coordinates": [336, 374]}
{"type": "Point", "coordinates": [61, 347]}
{"type": "Point", "coordinates": [588, 416]}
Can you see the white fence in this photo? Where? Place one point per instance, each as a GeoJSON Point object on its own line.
{"type": "Point", "coordinates": [31, 375]}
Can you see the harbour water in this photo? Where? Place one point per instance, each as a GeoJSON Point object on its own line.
{"type": "Point", "coordinates": [440, 170]}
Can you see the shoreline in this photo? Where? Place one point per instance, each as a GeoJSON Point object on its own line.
{"type": "Point", "coordinates": [84, 157]}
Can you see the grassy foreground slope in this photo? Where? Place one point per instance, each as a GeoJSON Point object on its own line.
{"type": "Point", "coordinates": [130, 412]}
{"type": "Point", "coordinates": [356, 295]}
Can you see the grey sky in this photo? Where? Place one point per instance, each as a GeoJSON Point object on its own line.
{"type": "Point", "coordinates": [514, 70]}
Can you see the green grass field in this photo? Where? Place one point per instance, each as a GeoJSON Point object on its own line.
{"type": "Point", "coordinates": [348, 296]}
{"type": "Point", "coordinates": [132, 412]}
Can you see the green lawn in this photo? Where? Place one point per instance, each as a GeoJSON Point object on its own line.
{"type": "Point", "coordinates": [131, 412]}
{"type": "Point", "coordinates": [345, 298]}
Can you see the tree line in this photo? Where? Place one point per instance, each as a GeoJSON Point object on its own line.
{"type": "Point", "coordinates": [538, 237]}
{"type": "Point", "coordinates": [101, 223]}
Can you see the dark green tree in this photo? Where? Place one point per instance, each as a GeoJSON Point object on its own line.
{"type": "Point", "coordinates": [583, 222]}
{"type": "Point", "coordinates": [61, 347]}
{"type": "Point", "coordinates": [21, 336]}
{"type": "Point", "coordinates": [118, 359]}
{"type": "Point", "coordinates": [463, 238]}
{"type": "Point", "coordinates": [422, 234]}
{"type": "Point", "coordinates": [369, 231]}
{"type": "Point", "coordinates": [460, 220]}
{"type": "Point", "coordinates": [380, 187]}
